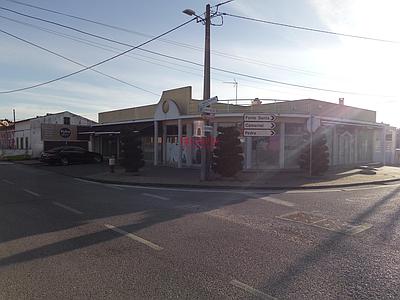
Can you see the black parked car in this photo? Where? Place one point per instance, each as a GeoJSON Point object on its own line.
{"type": "Point", "coordinates": [69, 154]}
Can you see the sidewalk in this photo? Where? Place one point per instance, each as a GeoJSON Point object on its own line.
{"type": "Point", "coordinates": [173, 177]}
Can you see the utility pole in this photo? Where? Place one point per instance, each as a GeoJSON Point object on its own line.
{"type": "Point", "coordinates": [205, 147]}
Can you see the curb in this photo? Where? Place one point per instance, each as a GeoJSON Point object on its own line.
{"type": "Point", "coordinates": [197, 186]}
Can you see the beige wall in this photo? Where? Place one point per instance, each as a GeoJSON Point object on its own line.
{"type": "Point", "coordinates": [187, 106]}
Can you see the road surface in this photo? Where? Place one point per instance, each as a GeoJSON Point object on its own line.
{"type": "Point", "coordinates": [65, 238]}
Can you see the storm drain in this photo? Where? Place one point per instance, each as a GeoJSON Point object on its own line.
{"type": "Point", "coordinates": [334, 225]}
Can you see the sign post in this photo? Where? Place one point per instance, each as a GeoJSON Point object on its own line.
{"type": "Point", "coordinates": [207, 114]}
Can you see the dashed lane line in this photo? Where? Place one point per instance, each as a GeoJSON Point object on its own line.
{"type": "Point", "coordinates": [112, 186]}
{"type": "Point", "coordinates": [155, 196]}
{"type": "Point", "coordinates": [32, 193]}
{"type": "Point", "coordinates": [251, 290]}
{"type": "Point", "coordinates": [73, 210]}
{"type": "Point", "coordinates": [134, 237]}
{"type": "Point", "coordinates": [7, 181]}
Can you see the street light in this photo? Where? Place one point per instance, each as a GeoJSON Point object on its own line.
{"type": "Point", "coordinates": [189, 12]}
{"type": "Point", "coordinates": [205, 154]}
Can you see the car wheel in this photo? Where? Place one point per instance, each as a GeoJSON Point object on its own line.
{"type": "Point", "coordinates": [97, 159]}
{"type": "Point", "coordinates": [64, 161]}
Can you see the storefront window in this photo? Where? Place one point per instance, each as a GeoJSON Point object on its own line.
{"type": "Point", "coordinates": [294, 143]}
{"type": "Point", "coordinates": [265, 151]}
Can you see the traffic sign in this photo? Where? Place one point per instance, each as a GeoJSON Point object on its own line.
{"type": "Point", "coordinates": [258, 118]}
{"type": "Point", "coordinates": [208, 102]}
{"type": "Point", "coordinates": [259, 125]}
{"type": "Point", "coordinates": [208, 110]}
{"type": "Point", "coordinates": [207, 116]}
{"type": "Point", "coordinates": [313, 124]}
{"type": "Point", "coordinates": [258, 132]}
{"type": "Point", "coordinates": [208, 128]}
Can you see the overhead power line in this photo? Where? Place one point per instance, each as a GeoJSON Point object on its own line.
{"type": "Point", "coordinates": [189, 61]}
{"type": "Point", "coordinates": [180, 44]}
{"type": "Point", "coordinates": [99, 63]}
{"type": "Point", "coordinates": [311, 29]}
{"type": "Point", "coordinates": [75, 62]}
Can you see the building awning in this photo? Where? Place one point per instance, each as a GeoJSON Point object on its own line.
{"type": "Point", "coordinates": [365, 125]}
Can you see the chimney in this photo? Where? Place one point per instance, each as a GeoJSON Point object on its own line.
{"type": "Point", "coordinates": [341, 101]}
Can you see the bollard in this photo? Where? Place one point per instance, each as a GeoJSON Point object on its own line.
{"type": "Point", "coordinates": [111, 163]}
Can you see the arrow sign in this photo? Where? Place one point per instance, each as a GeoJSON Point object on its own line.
{"type": "Point", "coordinates": [259, 125]}
{"type": "Point", "coordinates": [257, 132]}
{"type": "Point", "coordinates": [208, 102]}
{"type": "Point", "coordinates": [258, 118]}
{"type": "Point", "coordinates": [208, 110]}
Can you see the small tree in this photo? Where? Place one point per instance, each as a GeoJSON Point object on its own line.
{"type": "Point", "coordinates": [131, 151]}
{"type": "Point", "coordinates": [320, 155]}
{"type": "Point", "coordinates": [227, 158]}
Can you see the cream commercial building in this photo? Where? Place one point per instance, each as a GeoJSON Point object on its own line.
{"type": "Point", "coordinates": [170, 130]}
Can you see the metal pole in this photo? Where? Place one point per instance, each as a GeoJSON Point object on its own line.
{"type": "Point", "coordinates": [205, 155]}
{"type": "Point", "coordinates": [311, 142]}
{"type": "Point", "coordinates": [236, 87]}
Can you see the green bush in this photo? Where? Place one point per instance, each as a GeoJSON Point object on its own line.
{"type": "Point", "coordinates": [320, 155]}
{"type": "Point", "coordinates": [228, 153]}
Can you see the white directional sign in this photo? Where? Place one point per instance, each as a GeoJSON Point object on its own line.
{"type": "Point", "coordinates": [208, 110]}
{"type": "Point", "coordinates": [208, 102]}
{"type": "Point", "coordinates": [258, 118]}
{"type": "Point", "coordinates": [258, 132]}
{"type": "Point", "coordinates": [259, 125]}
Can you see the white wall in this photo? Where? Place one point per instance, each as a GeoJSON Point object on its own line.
{"type": "Point", "coordinates": [32, 129]}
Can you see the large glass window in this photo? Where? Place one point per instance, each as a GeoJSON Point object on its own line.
{"type": "Point", "coordinates": [265, 151]}
{"type": "Point", "coordinates": [294, 143]}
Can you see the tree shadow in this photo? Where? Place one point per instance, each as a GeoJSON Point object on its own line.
{"type": "Point", "coordinates": [332, 243]}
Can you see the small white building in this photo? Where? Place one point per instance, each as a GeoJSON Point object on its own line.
{"type": "Point", "coordinates": [34, 135]}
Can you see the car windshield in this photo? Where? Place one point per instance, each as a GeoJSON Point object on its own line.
{"type": "Point", "coordinates": [202, 149]}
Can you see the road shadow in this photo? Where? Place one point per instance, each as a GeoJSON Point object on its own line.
{"type": "Point", "coordinates": [98, 202]}
{"type": "Point", "coordinates": [334, 243]}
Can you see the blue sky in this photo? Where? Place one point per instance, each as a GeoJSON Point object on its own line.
{"type": "Point", "coordinates": [267, 51]}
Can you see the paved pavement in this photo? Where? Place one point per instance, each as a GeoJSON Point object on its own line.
{"type": "Point", "coordinates": [61, 237]}
{"type": "Point", "coordinates": [165, 176]}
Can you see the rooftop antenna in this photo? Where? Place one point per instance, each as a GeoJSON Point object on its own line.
{"type": "Point", "coordinates": [235, 84]}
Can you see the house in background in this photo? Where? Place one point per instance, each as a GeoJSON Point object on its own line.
{"type": "Point", "coordinates": [168, 131]}
{"type": "Point", "coordinates": [34, 135]}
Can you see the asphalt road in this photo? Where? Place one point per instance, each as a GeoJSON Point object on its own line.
{"type": "Point", "coordinates": [63, 238]}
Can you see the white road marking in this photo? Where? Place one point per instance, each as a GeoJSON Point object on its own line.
{"type": "Point", "coordinates": [155, 196]}
{"type": "Point", "coordinates": [86, 181]}
{"type": "Point", "coordinates": [7, 181]}
{"type": "Point", "coordinates": [115, 187]}
{"type": "Point", "coordinates": [75, 211]}
{"type": "Point", "coordinates": [270, 199]}
{"type": "Point", "coordinates": [134, 237]}
{"type": "Point", "coordinates": [32, 193]}
{"type": "Point", "coordinates": [112, 186]}
{"type": "Point", "coordinates": [251, 290]}
{"type": "Point", "coordinates": [278, 201]}
{"type": "Point", "coordinates": [5, 163]}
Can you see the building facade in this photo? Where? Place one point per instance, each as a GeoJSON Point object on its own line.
{"type": "Point", "coordinates": [169, 131]}
{"type": "Point", "coordinates": [32, 136]}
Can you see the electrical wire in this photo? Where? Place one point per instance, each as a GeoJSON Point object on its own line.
{"type": "Point", "coordinates": [75, 62]}
{"type": "Point", "coordinates": [190, 62]}
{"type": "Point", "coordinates": [180, 44]}
{"type": "Point", "coordinates": [99, 63]}
{"type": "Point", "coordinates": [311, 29]}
